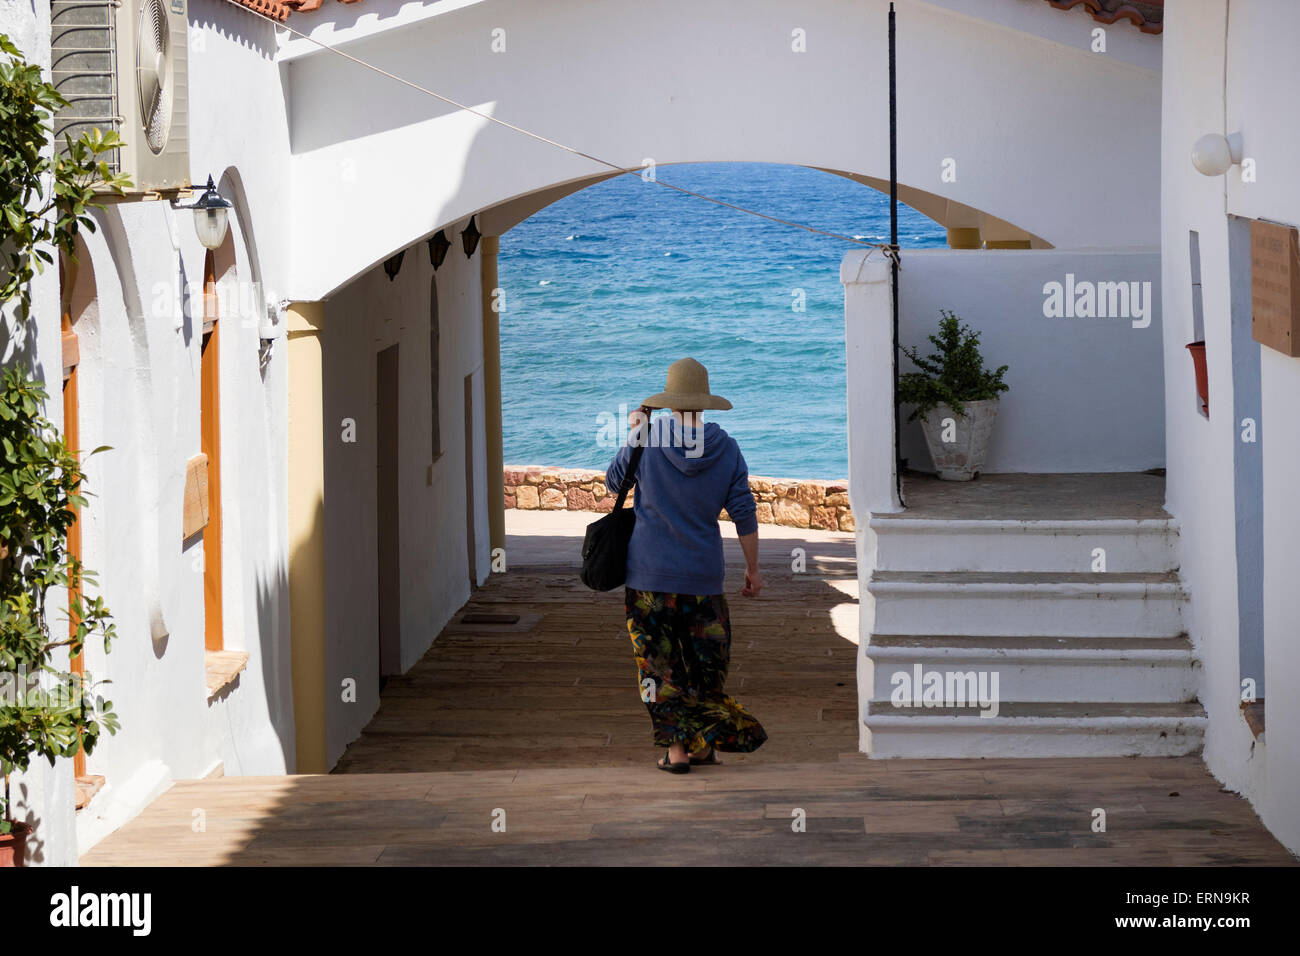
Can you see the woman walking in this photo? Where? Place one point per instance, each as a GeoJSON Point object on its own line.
{"type": "Point", "coordinates": [677, 615]}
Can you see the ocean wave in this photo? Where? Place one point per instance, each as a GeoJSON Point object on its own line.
{"type": "Point", "coordinates": [663, 279]}
{"type": "Point", "coordinates": [577, 255]}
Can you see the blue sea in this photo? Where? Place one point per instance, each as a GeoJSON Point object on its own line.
{"type": "Point", "coordinates": [607, 287]}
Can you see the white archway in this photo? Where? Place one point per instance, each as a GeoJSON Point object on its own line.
{"type": "Point", "coordinates": [980, 127]}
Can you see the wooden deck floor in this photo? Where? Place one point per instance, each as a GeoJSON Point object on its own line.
{"type": "Point", "coordinates": [539, 725]}
{"type": "Point", "coordinates": [560, 688]}
{"type": "Point", "coordinates": [858, 812]}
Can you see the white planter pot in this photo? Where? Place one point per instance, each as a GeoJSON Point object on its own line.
{"type": "Point", "coordinates": [961, 457]}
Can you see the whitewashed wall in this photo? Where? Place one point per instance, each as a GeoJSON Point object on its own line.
{"type": "Point", "coordinates": [1262, 76]}
{"type": "Point", "coordinates": [1085, 392]}
{"type": "Point", "coordinates": [368, 316]}
{"type": "Point", "coordinates": [1263, 79]}
{"type": "Point", "coordinates": [1042, 131]}
{"type": "Point", "coordinates": [140, 394]}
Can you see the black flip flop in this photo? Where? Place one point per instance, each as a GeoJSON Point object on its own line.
{"type": "Point", "coordinates": [668, 765]}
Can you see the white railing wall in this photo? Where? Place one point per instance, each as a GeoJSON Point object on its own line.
{"type": "Point", "coordinates": [1087, 391]}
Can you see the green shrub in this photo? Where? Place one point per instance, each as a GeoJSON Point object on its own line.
{"type": "Point", "coordinates": [44, 710]}
{"type": "Point", "coordinates": [36, 215]}
{"type": "Point", "coordinates": [45, 197]}
{"type": "Point", "coordinates": [953, 375]}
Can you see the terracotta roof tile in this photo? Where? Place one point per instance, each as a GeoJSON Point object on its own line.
{"type": "Point", "coordinates": [1148, 15]}
{"type": "Point", "coordinates": [271, 8]}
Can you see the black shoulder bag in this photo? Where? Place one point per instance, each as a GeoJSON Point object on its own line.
{"type": "Point", "coordinates": [604, 549]}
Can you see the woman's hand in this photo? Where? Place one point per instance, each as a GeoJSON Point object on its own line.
{"type": "Point", "coordinates": [638, 417]}
{"type": "Point", "coordinates": [753, 580]}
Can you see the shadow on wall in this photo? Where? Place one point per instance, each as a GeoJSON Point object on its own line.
{"type": "Point", "coordinates": [308, 616]}
{"type": "Point", "coordinates": [21, 347]}
{"type": "Point", "coordinates": [229, 21]}
{"type": "Point", "coordinates": [276, 654]}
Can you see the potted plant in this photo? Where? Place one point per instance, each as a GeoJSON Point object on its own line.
{"type": "Point", "coordinates": [1202, 376]}
{"type": "Point", "coordinates": [46, 710]}
{"type": "Point", "coordinates": [955, 397]}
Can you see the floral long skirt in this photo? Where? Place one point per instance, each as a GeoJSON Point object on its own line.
{"type": "Point", "coordinates": [682, 644]}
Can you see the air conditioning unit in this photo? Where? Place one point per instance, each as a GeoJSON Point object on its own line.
{"type": "Point", "coordinates": [121, 65]}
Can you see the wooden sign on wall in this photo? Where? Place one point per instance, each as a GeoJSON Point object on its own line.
{"type": "Point", "coordinates": [1275, 286]}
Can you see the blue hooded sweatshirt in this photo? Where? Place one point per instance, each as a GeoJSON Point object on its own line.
{"type": "Point", "coordinates": [682, 484]}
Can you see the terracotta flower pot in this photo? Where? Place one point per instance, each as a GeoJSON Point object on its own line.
{"type": "Point", "coordinates": [1202, 377]}
{"type": "Point", "coordinates": [13, 844]}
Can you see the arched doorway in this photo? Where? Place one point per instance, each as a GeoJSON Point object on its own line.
{"type": "Point", "coordinates": [603, 288]}
{"type": "Point", "coordinates": [79, 309]}
{"type": "Point", "coordinates": [720, 106]}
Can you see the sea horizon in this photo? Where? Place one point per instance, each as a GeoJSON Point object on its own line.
{"type": "Point", "coordinates": [605, 288]}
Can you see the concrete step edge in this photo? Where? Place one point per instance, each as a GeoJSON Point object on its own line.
{"type": "Point", "coordinates": [1031, 711]}
{"type": "Point", "coordinates": [902, 524]}
{"type": "Point", "coordinates": [931, 589]}
{"type": "Point", "coordinates": [1001, 724]}
{"type": "Point", "coordinates": [1028, 641]}
{"type": "Point", "coordinates": [1171, 657]}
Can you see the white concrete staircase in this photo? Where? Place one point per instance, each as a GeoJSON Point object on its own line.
{"type": "Point", "coordinates": [1087, 663]}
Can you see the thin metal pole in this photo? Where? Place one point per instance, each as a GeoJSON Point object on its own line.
{"type": "Point", "coordinates": [893, 240]}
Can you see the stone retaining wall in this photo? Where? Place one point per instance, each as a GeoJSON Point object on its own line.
{"type": "Point", "coordinates": [783, 501]}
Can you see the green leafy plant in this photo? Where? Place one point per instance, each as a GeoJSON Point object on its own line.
{"type": "Point", "coordinates": [951, 376]}
{"type": "Point", "coordinates": [44, 710]}
{"type": "Point", "coordinates": [36, 217]}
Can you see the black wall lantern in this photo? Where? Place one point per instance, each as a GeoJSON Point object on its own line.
{"type": "Point", "coordinates": [211, 215]}
{"type": "Point", "coordinates": [469, 238]}
{"type": "Point", "coordinates": [393, 265]}
{"type": "Point", "coordinates": [438, 246]}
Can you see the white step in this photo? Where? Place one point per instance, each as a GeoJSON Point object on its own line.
{"type": "Point", "coordinates": [1137, 670]}
{"type": "Point", "coordinates": [1012, 604]}
{"type": "Point", "coordinates": [945, 544]}
{"type": "Point", "coordinates": [1037, 730]}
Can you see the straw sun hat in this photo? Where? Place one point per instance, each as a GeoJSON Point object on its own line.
{"type": "Point", "coordinates": [687, 389]}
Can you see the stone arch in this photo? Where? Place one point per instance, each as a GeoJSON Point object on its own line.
{"type": "Point", "coordinates": [392, 165]}
{"type": "Point", "coordinates": [952, 215]}
{"type": "Point", "coordinates": [241, 249]}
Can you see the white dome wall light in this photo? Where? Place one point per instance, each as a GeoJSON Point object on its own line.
{"type": "Point", "coordinates": [1214, 154]}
